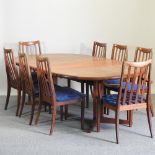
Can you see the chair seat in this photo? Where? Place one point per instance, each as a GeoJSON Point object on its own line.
{"type": "Point", "coordinates": [65, 94]}
{"type": "Point", "coordinates": [115, 84]}
{"type": "Point", "coordinates": [112, 82]}
{"type": "Point", "coordinates": [112, 99]}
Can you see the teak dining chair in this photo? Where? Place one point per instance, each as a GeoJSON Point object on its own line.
{"type": "Point", "coordinates": [28, 86]}
{"type": "Point", "coordinates": [13, 80]}
{"type": "Point", "coordinates": [129, 98]}
{"type": "Point", "coordinates": [54, 94]}
{"type": "Point", "coordinates": [99, 50]}
{"type": "Point", "coordinates": [30, 47]}
{"type": "Point", "coordinates": [143, 54]}
{"type": "Point", "coordinates": [119, 53]}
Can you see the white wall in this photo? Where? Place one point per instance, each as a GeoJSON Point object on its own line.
{"type": "Point", "coordinates": [73, 25]}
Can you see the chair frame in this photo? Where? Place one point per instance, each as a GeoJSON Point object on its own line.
{"type": "Point", "coordinates": [48, 95]}
{"type": "Point", "coordinates": [27, 84]}
{"type": "Point", "coordinates": [27, 46]}
{"type": "Point", "coordinates": [139, 72]}
{"type": "Point", "coordinates": [143, 54]}
{"type": "Point", "coordinates": [13, 79]}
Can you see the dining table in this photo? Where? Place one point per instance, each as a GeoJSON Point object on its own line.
{"type": "Point", "coordinates": [84, 68]}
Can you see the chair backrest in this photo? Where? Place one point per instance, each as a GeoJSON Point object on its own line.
{"type": "Point", "coordinates": [46, 85]}
{"type": "Point", "coordinates": [30, 47]}
{"type": "Point", "coordinates": [135, 85]}
{"type": "Point", "coordinates": [99, 49]}
{"type": "Point", "coordinates": [119, 52]}
{"type": "Point", "coordinates": [143, 54]}
{"type": "Point", "coordinates": [25, 74]}
{"type": "Point", "coordinates": [11, 70]}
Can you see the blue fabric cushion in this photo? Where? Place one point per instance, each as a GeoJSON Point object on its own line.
{"type": "Point", "coordinates": [115, 84]}
{"type": "Point", "coordinates": [66, 94]}
{"type": "Point", "coordinates": [112, 99]}
{"type": "Point", "coordinates": [63, 93]}
{"type": "Point", "coordinates": [112, 82]}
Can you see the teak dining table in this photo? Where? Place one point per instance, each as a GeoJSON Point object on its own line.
{"type": "Point", "coordinates": [84, 68]}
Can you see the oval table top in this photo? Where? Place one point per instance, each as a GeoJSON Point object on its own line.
{"type": "Point", "coordinates": [82, 67]}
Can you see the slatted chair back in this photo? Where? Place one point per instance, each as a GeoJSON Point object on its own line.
{"type": "Point", "coordinates": [119, 52]}
{"type": "Point", "coordinates": [30, 47]}
{"type": "Point", "coordinates": [46, 84]}
{"type": "Point", "coordinates": [25, 74]}
{"type": "Point", "coordinates": [11, 70]}
{"type": "Point", "coordinates": [143, 54]}
{"type": "Point", "coordinates": [99, 49]}
{"type": "Point", "coordinates": [139, 76]}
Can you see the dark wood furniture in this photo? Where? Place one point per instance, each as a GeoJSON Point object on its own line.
{"type": "Point", "coordinates": [119, 53]}
{"type": "Point", "coordinates": [13, 80]}
{"type": "Point", "coordinates": [54, 94]}
{"type": "Point", "coordinates": [30, 47]}
{"type": "Point", "coordinates": [132, 93]}
{"type": "Point", "coordinates": [99, 50]}
{"type": "Point", "coordinates": [143, 54]}
{"type": "Point", "coordinates": [81, 67]}
{"type": "Point", "coordinates": [28, 86]}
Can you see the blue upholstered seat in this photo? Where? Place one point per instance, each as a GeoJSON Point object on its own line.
{"type": "Point", "coordinates": [112, 82]}
{"type": "Point", "coordinates": [66, 94]}
{"type": "Point", "coordinates": [115, 84]}
{"type": "Point", "coordinates": [63, 93]}
{"type": "Point", "coordinates": [112, 99]}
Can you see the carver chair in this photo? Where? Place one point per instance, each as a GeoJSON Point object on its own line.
{"type": "Point", "coordinates": [130, 98]}
{"type": "Point", "coordinates": [13, 80]}
{"type": "Point", "coordinates": [54, 95]}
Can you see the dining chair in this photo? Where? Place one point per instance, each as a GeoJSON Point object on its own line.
{"type": "Point", "coordinates": [55, 95]}
{"type": "Point", "coordinates": [28, 85]}
{"type": "Point", "coordinates": [30, 47]}
{"type": "Point", "coordinates": [143, 54]}
{"type": "Point", "coordinates": [119, 53]}
{"type": "Point", "coordinates": [130, 98]}
{"type": "Point", "coordinates": [99, 50]}
{"type": "Point", "coordinates": [13, 80]}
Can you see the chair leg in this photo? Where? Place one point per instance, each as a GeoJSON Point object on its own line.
{"type": "Point", "coordinates": [66, 112]}
{"type": "Point", "coordinates": [117, 125]}
{"type": "Point", "coordinates": [87, 95]}
{"type": "Point", "coordinates": [8, 96]}
{"type": "Point", "coordinates": [38, 113]}
{"type": "Point", "coordinates": [82, 113]}
{"type": "Point", "coordinates": [53, 120]}
{"type": "Point", "coordinates": [69, 83]}
{"type": "Point", "coordinates": [151, 107]}
{"type": "Point", "coordinates": [149, 120]}
{"type": "Point", "coordinates": [49, 107]}
{"type": "Point", "coordinates": [130, 115]}
{"type": "Point", "coordinates": [18, 101]}
{"type": "Point", "coordinates": [82, 87]}
{"type": "Point", "coordinates": [22, 103]}
{"type": "Point", "coordinates": [61, 113]}
{"type": "Point", "coordinates": [98, 116]}
{"type": "Point", "coordinates": [32, 110]}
